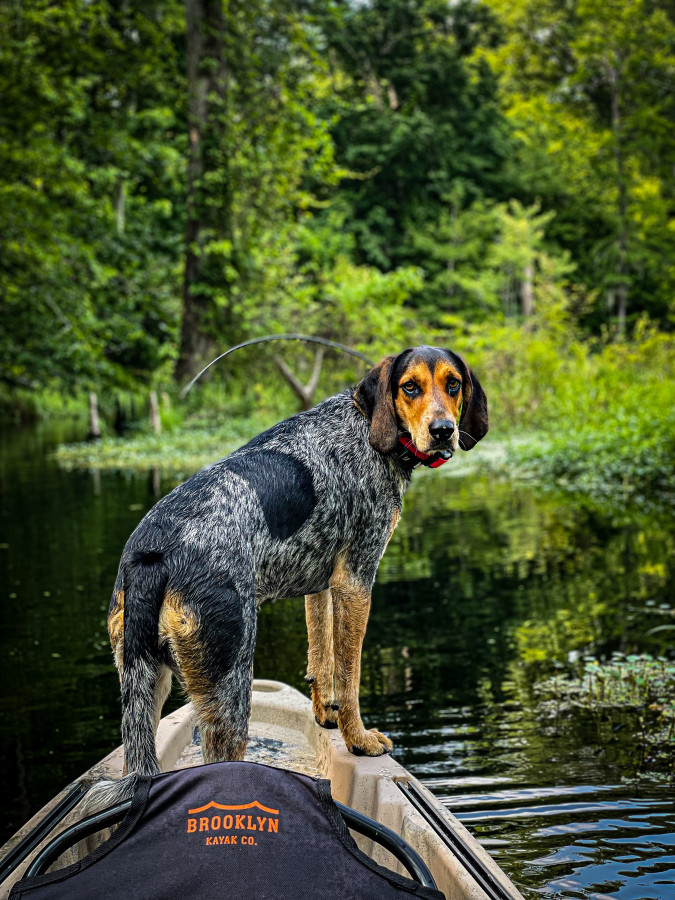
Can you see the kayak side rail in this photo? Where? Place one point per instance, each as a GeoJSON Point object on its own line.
{"type": "Point", "coordinates": [483, 877]}
{"type": "Point", "coordinates": [25, 847]}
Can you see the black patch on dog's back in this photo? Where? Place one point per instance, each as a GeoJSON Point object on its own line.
{"type": "Point", "coordinates": [284, 487]}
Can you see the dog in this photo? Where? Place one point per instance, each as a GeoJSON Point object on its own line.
{"type": "Point", "coordinates": [307, 507]}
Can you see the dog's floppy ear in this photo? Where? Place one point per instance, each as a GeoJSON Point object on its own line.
{"type": "Point", "coordinates": [473, 423]}
{"type": "Point", "coordinates": [373, 397]}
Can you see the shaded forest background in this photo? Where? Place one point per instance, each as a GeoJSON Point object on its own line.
{"type": "Point", "coordinates": [177, 177]}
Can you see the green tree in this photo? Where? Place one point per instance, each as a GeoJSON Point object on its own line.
{"type": "Point", "coordinates": [91, 185]}
{"type": "Point", "coordinates": [256, 148]}
{"type": "Point", "coordinates": [589, 86]}
{"type": "Point", "coordinates": [415, 117]}
{"type": "Point", "coordinates": [493, 260]}
{"type": "Point", "coordinates": [315, 287]}
{"type": "Point", "coordinates": [209, 191]}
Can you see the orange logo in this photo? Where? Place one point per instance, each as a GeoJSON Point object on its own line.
{"type": "Point", "coordinates": [225, 829]}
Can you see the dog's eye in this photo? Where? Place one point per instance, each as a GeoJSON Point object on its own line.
{"type": "Point", "coordinates": [410, 388]}
{"type": "Point", "coordinates": [454, 385]}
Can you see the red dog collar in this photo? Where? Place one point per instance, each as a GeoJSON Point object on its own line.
{"type": "Point", "coordinates": [424, 458]}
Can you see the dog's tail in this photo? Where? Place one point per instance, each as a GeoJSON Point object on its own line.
{"type": "Point", "coordinates": [108, 793]}
{"type": "Point", "coordinates": [143, 580]}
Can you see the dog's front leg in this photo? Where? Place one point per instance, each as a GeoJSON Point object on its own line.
{"type": "Point", "coordinates": [351, 606]}
{"type": "Point", "coordinates": [320, 665]}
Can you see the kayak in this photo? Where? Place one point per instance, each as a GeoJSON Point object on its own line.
{"type": "Point", "coordinates": [283, 734]}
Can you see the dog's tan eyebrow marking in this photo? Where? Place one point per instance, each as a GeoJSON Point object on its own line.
{"type": "Point", "coordinates": [444, 371]}
{"type": "Point", "coordinates": [419, 373]}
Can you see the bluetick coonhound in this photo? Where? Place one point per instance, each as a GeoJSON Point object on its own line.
{"type": "Point", "coordinates": [305, 508]}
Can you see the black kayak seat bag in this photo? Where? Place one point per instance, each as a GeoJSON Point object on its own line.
{"type": "Point", "coordinates": [233, 829]}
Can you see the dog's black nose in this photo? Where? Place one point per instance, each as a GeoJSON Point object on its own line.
{"type": "Point", "coordinates": [441, 429]}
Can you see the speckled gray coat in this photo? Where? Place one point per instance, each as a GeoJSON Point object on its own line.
{"type": "Point", "coordinates": [268, 521]}
{"type": "Point", "coordinates": [316, 495]}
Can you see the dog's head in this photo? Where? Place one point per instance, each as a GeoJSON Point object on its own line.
{"type": "Point", "coordinates": [426, 392]}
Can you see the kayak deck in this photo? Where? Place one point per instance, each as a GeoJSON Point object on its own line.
{"type": "Point", "coordinates": [283, 733]}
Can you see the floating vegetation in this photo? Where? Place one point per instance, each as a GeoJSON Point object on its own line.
{"type": "Point", "coordinates": [183, 451]}
{"type": "Point", "coordinates": [635, 683]}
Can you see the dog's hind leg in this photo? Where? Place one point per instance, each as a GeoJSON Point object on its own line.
{"type": "Point", "coordinates": [139, 714]}
{"type": "Point", "coordinates": [139, 690]}
{"type": "Point", "coordinates": [105, 793]}
{"type": "Point", "coordinates": [320, 657]}
{"type": "Point", "coordinates": [223, 712]}
{"type": "Point", "coordinates": [145, 684]}
{"type": "Point", "coordinates": [213, 654]}
{"type": "Point", "coordinates": [133, 625]}
{"type": "Point", "coordinates": [116, 631]}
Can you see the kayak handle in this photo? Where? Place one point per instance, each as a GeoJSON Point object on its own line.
{"type": "Point", "coordinates": [394, 843]}
{"type": "Point", "coordinates": [106, 818]}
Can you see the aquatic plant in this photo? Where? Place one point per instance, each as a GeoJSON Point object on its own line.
{"type": "Point", "coordinates": [185, 451]}
{"type": "Point", "coordinates": [633, 683]}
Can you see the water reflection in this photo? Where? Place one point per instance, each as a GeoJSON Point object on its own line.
{"type": "Point", "coordinates": [540, 801]}
{"type": "Point", "coordinates": [483, 584]}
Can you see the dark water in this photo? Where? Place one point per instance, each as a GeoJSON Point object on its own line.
{"type": "Point", "coordinates": [483, 584]}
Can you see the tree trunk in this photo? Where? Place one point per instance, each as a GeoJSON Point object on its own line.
{"type": "Point", "coordinates": [120, 188]}
{"type": "Point", "coordinates": [119, 203]}
{"type": "Point", "coordinates": [527, 291]}
{"type": "Point", "coordinates": [155, 420]}
{"type": "Point", "coordinates": [206, 76]}
{"type": "Point", "coordinates": [622, 203]}
{"type": "Point", "coordinates": [94, 424]}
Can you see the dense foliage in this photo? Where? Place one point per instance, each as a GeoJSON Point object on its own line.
{"type": "Point", "coordinates": [590, 416]}
{"type": "Point", "coordinates": [91, 163]}
{"type": "Point", "coordinates": [176, 178]}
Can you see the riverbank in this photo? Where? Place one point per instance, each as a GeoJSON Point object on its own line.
{"type": "Point", "coordinates": [594, 418]}
{"type": "Point", "coordinates": [613, 469]}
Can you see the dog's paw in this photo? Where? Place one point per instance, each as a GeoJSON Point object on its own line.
{"type": "Point", "coordinates": [369, 743]}
{"type": "Point", "coordinates": [326, 715]}
{"type": "Point", "coordinates": [327, 723]}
